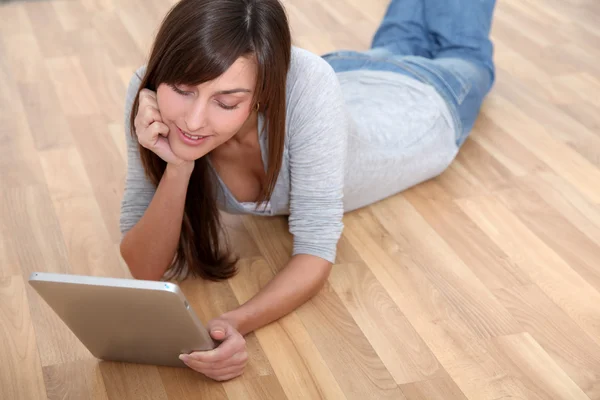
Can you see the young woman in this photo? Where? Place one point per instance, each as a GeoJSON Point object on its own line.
{"type": "Point", "coordinates": [228, 115]}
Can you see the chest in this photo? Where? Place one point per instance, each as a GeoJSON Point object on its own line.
{"type": "Point", "coordinates": [241, 169]}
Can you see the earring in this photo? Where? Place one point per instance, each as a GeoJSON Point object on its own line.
{"type": "Point", "coordinates": [257, 106]}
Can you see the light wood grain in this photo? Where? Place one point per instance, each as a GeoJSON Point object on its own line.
{"type": "Point", "coordinates": [573, 350]}
{"type": "Point", "coordinates": [482, 283]}
{"type": "Point", "coordinates": [293, 356]}
{"type": "Point", "coordinates": [545, 268]}
{"type": "Point", "coordinates": [75, 380]}
{"type": "Point", "coordinates": [104, 166]}
{"type": "Point", "coordinates": [434, 389]}
{"type": "Point", "coordinates": [129, 382]}
{"type": "Point", "coordinates": [394, 339]}
{"type": "Point", "coordinates": [21, 376]}
{"type": "Point", "coordinates": [544, 379]}
{"type": "Point", "coordinates": [89, 248]}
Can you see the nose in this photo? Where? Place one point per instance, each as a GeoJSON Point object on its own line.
{"type": "Point", "coordinates": [195, 118]}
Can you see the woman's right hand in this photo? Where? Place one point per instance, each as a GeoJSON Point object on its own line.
{"type": "Point", "coordinates": [151, 132]}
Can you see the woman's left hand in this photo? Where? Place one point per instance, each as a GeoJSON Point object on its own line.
{"type": "Point", "coordinates": [227, 360]}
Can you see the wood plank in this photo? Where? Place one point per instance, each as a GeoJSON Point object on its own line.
{"type": "Point", "coordinates": [572, 350]}
{"type": "Point", "coordinates": [545, 268]}
{"type": "Point", "coordinates": [584, 113]}
{"type": "Point", "coordinates": [15, 20]}
{"type": "Point", "coordinates": [132, 381]}
{"type": "Point", "coordinates": [117, 133]}
{"type": "Point", "coordinates": [433, 389]}
{"type": "Point", "coordinates": [564, 161]}
{"type": "Point", "coordinates": [75, 380]}
{"type": "Point", "coordinates": [240, 241]}
{"type": "Point", "coordinates": [71, 15]}
{"type": "Point", "coordinates": [105, 84]}
{"type": "Point", "coordinates": [466, 357]}
{"type": "Point", "coordinates": [21, 375]}
{"type": "Point", "coordinates": [556, 122]}
{"type": "Point", "coordinates": [54, 41]}
{"type": "Point", "coordinates": [257, 388]}
{"type": "Point", "coordinates": [141, 19]}
{"type": "Point", "coordinates": [104, 166]}
{"type": "Point", "coordinates": [459, 182]}
{"type": "Point", "coordinates": [18, 158]}
{"type": "Point", "coordinates": [31, 228]}
{"type": "Point", "coordinates": [555, 230]}
{"type": "Point", "coordinates": [544, 378]}
{"type": "Point", "coordinates": [89, 246]}
{"type": "Point", "coordinates": [463, 296]}
{"type": "Point", "coordinates": [9, 97]}
{"type": "Point", "coordinates": [23, 57]}
{"type": "Point", "coordinates": [341, 344]}
{"type": "Point", "coordinates": [296, 361]}
{"type": "Point", "coordinates": [75, 96]}
{"type": "Point", "coordinates": [508, 151]}
{"type": "Point", "coordinates": [272, 238]}
{"type": "Point", "coordinates": [116, 39]}
{"type": "Point", "coordinates": [392, 336]}
{"type": "Point", "coordinates": [33, 231]}
{"type": "Point", "coordinates": [568, 201]}
{"type": "Point", "coordinates": [47, 123]}
{"type": "Point", "coordinates": [180, 383]}
{"type": "Point", "coordinates": [487, 261]}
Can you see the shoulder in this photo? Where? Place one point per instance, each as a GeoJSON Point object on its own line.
{"type": "Point", "coordinates": [313, 90]}
{"type": "Point", "coordinates": [309, 72]}
{"type": "Point", "coordinates": [305, 61]}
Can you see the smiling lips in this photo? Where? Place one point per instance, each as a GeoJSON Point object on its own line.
{"type": "Point", "coordinates": [191, 139]}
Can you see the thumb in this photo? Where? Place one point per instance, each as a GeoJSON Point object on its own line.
{"type": "Point", "coordinates": [218, 331]}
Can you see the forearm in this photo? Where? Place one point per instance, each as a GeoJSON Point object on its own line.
{"type": "Point", "coordinates": [150, 245]}
{"type": "Point", "coordinates": [300, 280]}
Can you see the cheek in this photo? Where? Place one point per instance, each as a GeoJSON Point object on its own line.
{"type": "Point", "coordinates": [228, 123]}
{"type": "Point", "coordinates": [168, 104]}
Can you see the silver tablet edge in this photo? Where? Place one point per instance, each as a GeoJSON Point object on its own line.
{"type": "Point", "coordinates": [101, 281]}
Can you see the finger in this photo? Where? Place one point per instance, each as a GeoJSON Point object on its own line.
{"type": "Point", "coordinates": [227, 377]}
{"type": "Point", "coordinates": [158, 128]}
{"type": "Point", "coordinates": [149, 115]}
{"type": "Point", "coordinates": [218, 333]}
{"type": "Point", "coordinates": [149, 137]}
{"type": "Point", "coordinates": [147, 94]}
{"type": "Point", "coordinates": [226, 350]}
{"type": "Point", "coordinates": [221, 374]}
{"type": "Point", "coordinates": [238, 359]}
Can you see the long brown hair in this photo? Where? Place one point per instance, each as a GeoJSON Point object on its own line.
{"type": "Point", "coordinates": [197, 42]}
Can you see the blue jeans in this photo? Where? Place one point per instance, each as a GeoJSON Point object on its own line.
{"type": "Point", "coordinates": [442, 43]}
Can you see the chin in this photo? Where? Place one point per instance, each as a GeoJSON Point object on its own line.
{"type": "Point", "coordinates": [187, 153]}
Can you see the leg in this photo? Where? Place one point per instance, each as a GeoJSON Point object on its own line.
{"type": "Point", "coordinates": [462, 68]}
{"type": "Point", "coordinates": [403, 30]}
{"type": "Point", "coordinates": [462, 48]}
{"type": "Point", "coordinates": [459, 65]}
{"type": "Point", "coordinates": [461, 29]}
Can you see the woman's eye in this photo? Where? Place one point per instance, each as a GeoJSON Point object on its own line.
{"type": "Point", "coordinates": [226, 107]}
{"type": "Point", "coordinates": [179, 91]}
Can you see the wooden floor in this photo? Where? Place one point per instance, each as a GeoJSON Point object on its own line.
{"type": "Point", "coordinates": [483, 283]}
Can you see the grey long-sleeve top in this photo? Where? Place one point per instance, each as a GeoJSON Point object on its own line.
{"type": "Point", "coordinates": [352, 139]}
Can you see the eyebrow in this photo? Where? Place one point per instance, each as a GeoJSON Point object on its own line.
{"type": "Point", "coordinates": [231, 91]}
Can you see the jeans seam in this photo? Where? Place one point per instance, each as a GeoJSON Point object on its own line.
{"type": "Point", "coordinates": [460, 97]}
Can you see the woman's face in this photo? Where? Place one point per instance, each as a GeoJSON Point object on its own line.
{"type": "Point", "coordinates": [209, 114]}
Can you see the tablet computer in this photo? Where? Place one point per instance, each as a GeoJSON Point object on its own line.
{"type": "Point", "coordinates": [127, 320]}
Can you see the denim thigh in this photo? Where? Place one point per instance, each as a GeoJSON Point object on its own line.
{"type": "Point", "coordinates": [461, 83]}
